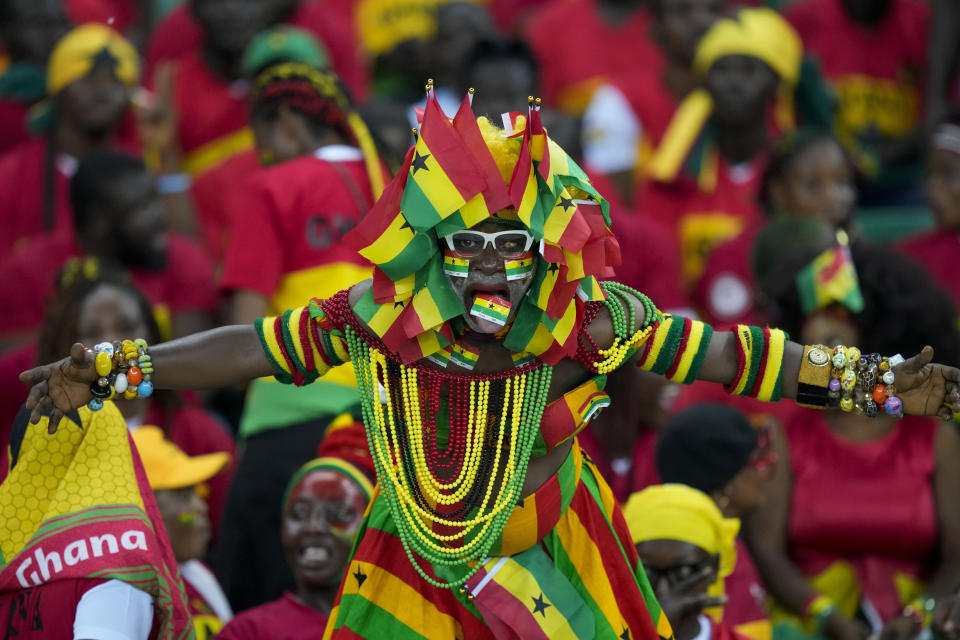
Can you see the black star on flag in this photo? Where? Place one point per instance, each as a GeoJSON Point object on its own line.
{"type": "Point", "coordinates": [625, 635]}
{"type": "Point", "coordinates": [406, 224]}
{"type": "Point", "coordinates": [540, 605]}
{"type": "Point", "coordinates": [553, 267]}
{"type": "Point", "coordinates": [398, 303]}
{"type": "Point", "coordinates": [566, 203]}
{"type": "Point", "coordinates": [420, 162]}
{"type": "Point", "coordinates": [360, 576]}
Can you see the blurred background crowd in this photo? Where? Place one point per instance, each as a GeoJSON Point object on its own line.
{"type": "Point", "coordinates": [168, 166]}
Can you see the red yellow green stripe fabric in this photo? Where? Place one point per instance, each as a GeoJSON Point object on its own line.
{"type": "Point", "coordinates": [580, 579]}
{"type": "Point", "coordinates": [454, 266]}
{"type": "Point", "coordinates": [759, 363]}
{"type": "Point", "coordinates": [830, 277]}
{"type": "Point", "coordinates": [677, 348]}
{"type": "Point", "coordinates": [463, 356]}
{"type": "Point", "coordinates": [565, 417]}
{"type": "Point", "coordinates": [517, 269]}
{"type": "Point", "coordinates": [301, 345]}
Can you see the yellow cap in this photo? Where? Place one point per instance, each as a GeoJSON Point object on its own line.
{"type": "Point", "coordinates": [168, 467]}
{"type": "Point", "coordinates": [75, 54]}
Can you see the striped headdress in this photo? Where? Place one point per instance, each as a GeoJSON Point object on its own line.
{"type": "Point", "coordinates": [459, 173]}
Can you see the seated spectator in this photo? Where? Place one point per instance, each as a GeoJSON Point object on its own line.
{"type": "Point", "coordinates": [873, 53]}
{"type": "Point", "coordinates": [714, 449]}
{"type": "Point", "coordinates": [687, 549]}
{"type": "Point", "coordinates": [705, 174]}
{"type": "Point", "coordinates": [28, 30]}
{"type": "Point", "coordinates": [89, 76]}
{"type": "Point", "coordinates": [289, 219]}
{"type": "Point", "coordinates": [939, 250]}
{"type": "Point", "coordinates": [81, 536]}
{"type": "Point", "coordinates": [581, 45]}
{"type": "Point", "coordinates": [860, 533]}
{"type": "Point", "coordinates": [809, 178]}
{"type": "Point", "coordinates": [626, 119]}
{"type": "Point", "coordinates": [213, 210]}
{"type": "Point", "coordinates": [120, 221]}
{"type": "Point", "coordinates": [323, 507]}
{"type": "Point", "coordinates": [178, 481]}
{"type": "Point", "coordinates": [100, 305]}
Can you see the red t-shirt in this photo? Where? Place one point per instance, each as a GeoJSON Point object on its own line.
{"type": "Point", "coordinates": [654, 106]}
{"type": "Point", "coordinates": [639, 472]}
{"type": "Point", "coordinates": [703, 219]}
{"type": "Point", "coordinates": [283, 619]}
{"type": "Point", "coordinates": [214, 215]}
{"type": "Point", "coordinates": [28, 280]}
{"type": "Point", "coordinates": [179, 34]}
{"type": "Point", "coordinates": [650, 262]}
{"type": "Point", "coordinates": [216, 121]}
{"type": "Point", "coordinates": [939, 252]}
{"type": "Point", "coordinates": [45, 612]}
{"type": "Point", "coordinates": [725, 293]}
{"type": "Point", "coordinates": [578, 51]}
{"type": "Point", "coordinates": [836, 488]}
{"type": "Point", "coordinates": [13, 124]}
{"type": "Point", "coordinates": [286, 239]}
{"type": "Point", "coordinates": [22, 172]}
{"type": "Point", "coordinates": [875, 72]}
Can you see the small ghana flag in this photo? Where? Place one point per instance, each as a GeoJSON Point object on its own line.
{"type": "Point", "coordinates": [464, 356]}
{"type": "Point", "coordinates": [459, 267]}
{"type": "Point", "coordinates": [831, 277]}
{"type": "Point", "coordinates": [492, 308]}
{"type": "Point", "coordinates": [441, 357]}
{"type": "Point", "coordinates": [517, 269]}
{"type": "Point", "coordinates": [443, 175]}
{"type": "Point", "coordinates": [521, 358]}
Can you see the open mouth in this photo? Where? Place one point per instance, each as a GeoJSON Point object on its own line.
{"type": "Point", "coordinates": [499, 290]}
{"type": "Point", "coordinates": [314, 555]}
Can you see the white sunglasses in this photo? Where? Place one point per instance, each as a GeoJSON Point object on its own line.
{"type": "Point", "coordinates": [512, 243]}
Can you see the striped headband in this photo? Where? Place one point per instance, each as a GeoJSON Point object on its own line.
{"type": "Point", "coordinates": [329, 463]}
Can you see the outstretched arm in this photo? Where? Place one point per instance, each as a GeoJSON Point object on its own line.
{"type": "Point", "coordinates": [208, 360]}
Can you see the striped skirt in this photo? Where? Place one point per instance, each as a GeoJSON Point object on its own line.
{"type": "Point", "coordinates": [566, 569]}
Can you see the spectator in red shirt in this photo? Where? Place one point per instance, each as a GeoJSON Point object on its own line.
{"type": "Point", "coordinates": [89, 76]}
{"type": "Point", "coordinates": [809, 178]}
{"type": "Point", "coordinates": [322, 509]}
{"type": "Point", "coordinates": [582, 43]}
{"type": "Point", "coordinates": [939, 250]}
{"type": "Point", "coordinates": [873, 53]}
{"type": "Point", "coordinates": [705, 174]}
{"type": "Point", "coordinates": [29, 29]}
{"type": "Point", "coordinates": [627, 118]}
{"type": "Point", "coordinates": [119, 221]}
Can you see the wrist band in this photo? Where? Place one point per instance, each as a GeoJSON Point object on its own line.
{"type": "Point", "coordinates": [173, 183]}
{"type": "Point", "coordinates": [813, 382]}
{"type": "Point", "coordinates": [817, 610]}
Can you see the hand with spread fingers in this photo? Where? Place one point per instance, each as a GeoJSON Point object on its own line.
{"type": "Point", "coordinates": [61, 386]}
{"type": "Point", "coordinates": [927, 388]}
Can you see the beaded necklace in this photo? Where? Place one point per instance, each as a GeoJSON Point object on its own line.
{"type": "Point", "coordinates": [449, 506]}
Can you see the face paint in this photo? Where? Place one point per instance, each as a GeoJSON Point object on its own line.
{"type": "Point", "coordinates": [454, 265]}
{"type": "Point", "coordinates": [517, 269]}
{"type": "Point", "coordinates": [491, 308]}
{"type": "Point", "coordinates": [463, 356]}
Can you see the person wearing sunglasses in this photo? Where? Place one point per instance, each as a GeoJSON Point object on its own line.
{"type": "Point", "coordinates": [478, 359]}
{"type": "Point", "coordinates": [716, 450]}
{"type": "Point", "coordinates": [688, 548]}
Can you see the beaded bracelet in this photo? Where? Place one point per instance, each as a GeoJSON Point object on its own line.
{"type": "Point", "coordinates": [921, 609]}
{"type": "Point", "coordinates": [863, 382]}
{"type": "Point", "coordinates": [124, 368]}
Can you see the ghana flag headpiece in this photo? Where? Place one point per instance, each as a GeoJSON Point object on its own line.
{"type": "Point", "coordinates": [459, 173]}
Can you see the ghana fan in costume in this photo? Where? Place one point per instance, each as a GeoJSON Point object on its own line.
{"type": "Point", "coordinates": [92, 519]}
{"type": "Point", "coordinates": [488, 521]}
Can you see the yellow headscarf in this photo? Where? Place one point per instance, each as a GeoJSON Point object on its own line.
{"type": "Point", "coordinates": [75, 54]}
{"type": "Point", "coordinates": [759, 33]}
{"type": "Point", "coordinates": [679, 512]}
